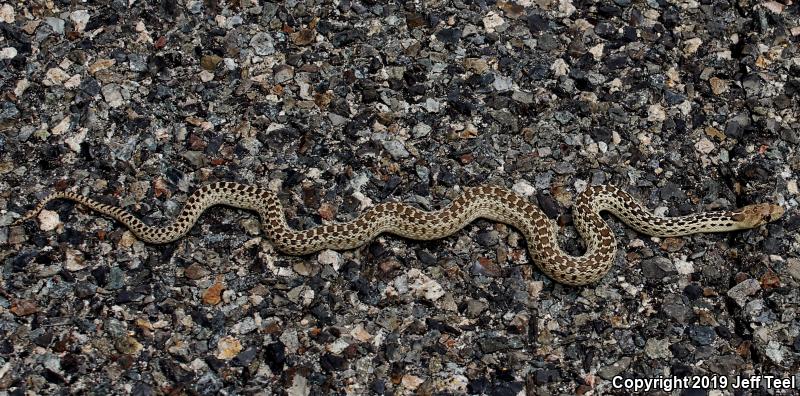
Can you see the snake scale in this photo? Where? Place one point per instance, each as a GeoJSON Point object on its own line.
{"type": "Point", "coordinates": [489, 202]}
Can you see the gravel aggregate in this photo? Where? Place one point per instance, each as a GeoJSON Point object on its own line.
{"type": "Point", "coordinates": [688, 105]}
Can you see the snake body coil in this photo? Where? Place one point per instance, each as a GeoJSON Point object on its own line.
{"type": "Point", "coordinates": [489, 202]}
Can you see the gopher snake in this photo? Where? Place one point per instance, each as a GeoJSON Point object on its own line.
{"type": "Point", "coordinates": [489, 202]}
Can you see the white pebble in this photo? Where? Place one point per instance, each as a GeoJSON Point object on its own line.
{"type": "Point", "coordinates": [775, 351]}
{"type": "Point", "coordinates": [656, 113]}
{"type": "Point", "coordinates": [8, 53]}
{"type": "Point", "coordinates": [112, 93]}
{"type": "Point", "coordinates": [692, 45]}
{"type": "Point", "coordinates": [502, 83]}
{"type": "Point", "coordinates": [559, 68]}
{"type": "Point", "coordinates": [7, 16]}
{"type": "Point", "coordinates": [597, 51]}
{"type": "Point", "coordinates": [684, 267]}
{"type": "Point", "coordinates": [544, 151]}
{"type": "Point", "coordinates": [432, 105]}
{"type": "Point", "coordinates": [580, 185]}
{"type": "Point", "coordinates": [523, 188]}
{"type": "Point", "coordinates": [492, 21]}
{"type": "Point", "coordinates": [423, 286]}
{"type": "Point", "coordinates": [74, 260]}
{"type": "Point", "coordinates": [338, 346]}
{"type": "Point", "coordinates": [773, 6]}
{"type": "Point", "coordinates": [330, 257]}
{"type": "Point", "coordinates": [54, 76]}
{"type": "Point", "coordinates": [73, 82]}
{"type": "Point", "coordinates": [421, 130]}
{"type": "Point", "coordinates": [636, 243]}
{"type": "Point", "coordinates": [62, 126]}
{"type": "Point", "coordinates": [791, 186]}
{"type": "Point", "coordinates": [644, 139]}
{"type": "Point", "coordinates": [206, 76]}
{"type": "Point", "coordinates": [48, 220]}
{"type": "Point", "coordinates": [230, 64]}
{"type": "Point", "coordinates": [685, 107]}
{"type": "Point", "coordinates": [299, 386]}
{"type": "Point", "coordinates": [704, 146]}
{"type": "Point", "coordinates": [361, 334]}
{"type": "Point", "coordinates": [74, 142]}
{"type": "Point", "coordinates": [56, 23]}
{"type": "Point", "coordinates": [79, 19]}
{"type": "Point", "coordinates": [565, 8]}
{"type": "Point", "coordinates": [302, 295]}
{"type": "Point", "coordinates": [22, 85]}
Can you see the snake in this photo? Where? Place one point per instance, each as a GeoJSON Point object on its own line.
{"type": "Point", "coordinates": [488, 202]}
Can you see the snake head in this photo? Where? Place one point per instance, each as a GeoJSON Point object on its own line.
{"type": "Point", "coordinates": [752, 216]}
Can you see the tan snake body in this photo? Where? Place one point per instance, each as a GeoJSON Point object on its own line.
{"type": "Point", "coordinates": [489, 202]}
